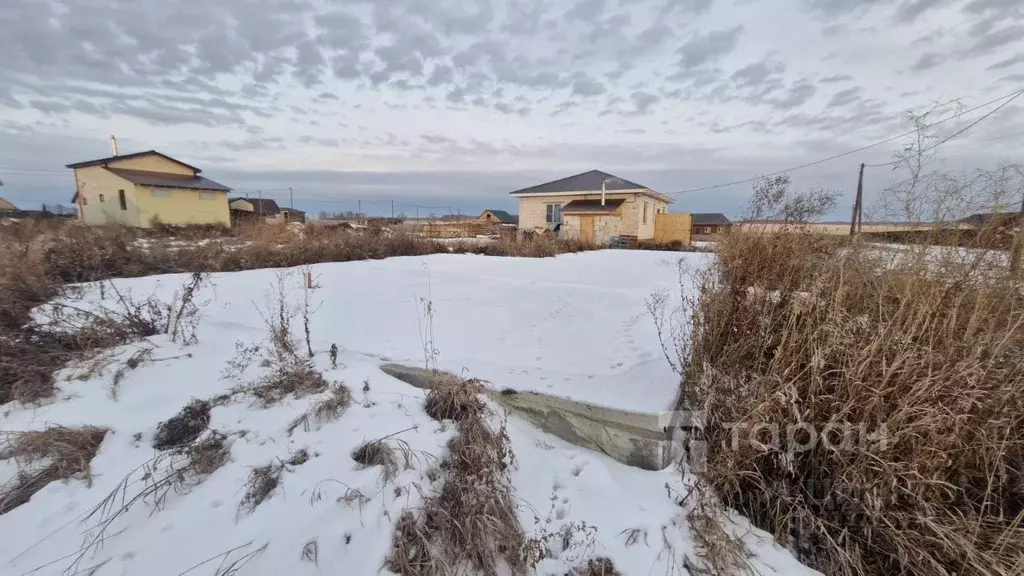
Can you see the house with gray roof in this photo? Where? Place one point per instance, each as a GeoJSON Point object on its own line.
{"type": "Point", "coordinates": [710, 223]}
{"type": "Point", "coordinates": [593, 206]}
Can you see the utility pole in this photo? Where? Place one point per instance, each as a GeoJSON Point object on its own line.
{"type": "Point", "coordinates": [259, 193]}
{"type": "Point", "coordinates": [359, 211]}
{"type": "Point", "coordinates": [392, 209]}
{"type": "Point", "coordinates": [291, 198]}
{"type": "Point", "coordinates": [855, 218]}
{"type": "Point", "coordinates": [1018, 241]}
{"type": "Point", "coordinates": [417, 213]}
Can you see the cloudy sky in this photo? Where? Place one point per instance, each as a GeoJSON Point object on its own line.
{"type": "Point", "coordinates": [457, 102]}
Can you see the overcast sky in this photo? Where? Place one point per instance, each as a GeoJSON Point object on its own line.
{"type": "Point", "coordinates": [457, 102]}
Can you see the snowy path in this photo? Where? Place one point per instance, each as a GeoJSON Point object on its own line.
{"type": "Point", "coordinates": [574, 325]}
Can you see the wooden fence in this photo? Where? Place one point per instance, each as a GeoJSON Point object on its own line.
{"type": "Point", "coordinates": [672, 228]}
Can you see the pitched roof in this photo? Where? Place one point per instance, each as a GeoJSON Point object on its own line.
{"type": "Point", "coordinates": [109, 159]}
{"type": "Point", "coordinates": [592, 206]}
{"type": "Point", "coordinates": [990, 218]}
{"type": "Point", "coordinates": [6, 206]}
{"type": "Point", "coordinates": [167, 180]}
{"type": "Point", "coordinates": [503, 216]}
{"type": "Point", "coordinates": [260, 205]}
{"type": "Point", "coordinates": [710, 219]}
{"type": "Point", "coordinates": [589, 182]}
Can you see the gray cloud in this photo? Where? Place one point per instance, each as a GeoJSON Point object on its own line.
{"type": "Point", "coordinates": [1008, 63]}
{"type": "Point", "coordinates": [909, 10]}
{"type": "Point", "coordinates": [996, 40]}
{"type": "Point", "coordinates": [830, 9]}
{"type": "Point", "coordinates": [706, 48]}
{"type": "Point", "coordinates": [587, 86]}
{"type": "Point", "coordinates": [836, 78]}
{"type": "Point", "coordinates": [586, 10]}
{"type": "Point", "coordinates": [845, 97]}
{"type": "Point", "coordinates": [796, 95]}
{"type": "Point", "coordinates": [927, 61]}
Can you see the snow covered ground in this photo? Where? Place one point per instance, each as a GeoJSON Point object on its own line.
{"type": "Point", "coordinates": [574, 325]}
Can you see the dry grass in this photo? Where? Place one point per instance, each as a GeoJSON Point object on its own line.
{"type": "Point", "coordinates": [184, 427]}
{"type": "Point", "coordinates": [600, 566]}
{"type": "Point", "coordinates": [328, 409]}
{"type": "Point", "coordinates": [910, 374]}
{"type": "Point", "coordinates": [57, 453]}
{"type": "Point", "coordinates": [471, 523]}
{"type": "Point", "coordinates": [451, 398]}
{"type": "Point", "coordinates": [258, 488]}
{"type": "Point", "coordinates": [37, 259]}
{"type": "Point", "coordinates": [294, 376]}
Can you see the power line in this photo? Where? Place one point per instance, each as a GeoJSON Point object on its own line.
{"type": "Point", "coordinates": [968, 127]}
{"type": "Point", "coordinates": [1011, 95]}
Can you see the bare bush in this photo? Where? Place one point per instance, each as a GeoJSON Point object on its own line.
{"type": "Point", "coordinates": [57, 453]}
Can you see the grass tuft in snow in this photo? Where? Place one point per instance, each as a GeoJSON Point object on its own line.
{"type": "Point", "coordinates": [57, 453]}
{"type": "Point", "coordinates": [451, 398]}
{"type": "Point", "coordinates": [184, 427]}
{"type": "Point", "coordinates": [328, 409]}
{"type": "Point", "coordinates": [263, 480]}
{"type": "Point", "coordinates": [261, 484]}
{"type": "Point", "coordinates": [599, 566]}
{"type": "Point", "coordinates": [386, 453]}
{"type": "Point", "coordinates": [471, 523]}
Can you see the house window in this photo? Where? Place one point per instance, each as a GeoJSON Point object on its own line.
{"type": "Point", "coordinates": [161, 193]}
{"type": "Point", "coordinates": [122, 199]}
{"type": "Point", "coordinates": [553, 214]}
{"type": "Point", "coordinates": [207, 195]}
{"type": "Point", "coordinates": [102, 199]}
{"type": "Point", "coordinates": [645, 212]}
{"type": "Point", "coordinates": [707, 229]}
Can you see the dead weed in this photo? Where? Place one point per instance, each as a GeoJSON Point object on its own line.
{"type": "Point", "coordinates": [62, 452]}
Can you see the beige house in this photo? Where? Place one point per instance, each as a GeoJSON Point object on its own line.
{"type": "Point", "coordinates": [143, 188]}
{"type": "Point", "coordinates": [593, 206]}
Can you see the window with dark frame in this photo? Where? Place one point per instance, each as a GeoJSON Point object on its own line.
{"type": "Point", "coordinates": [102, 199]}
{"type": "Point", "coordinates": [645, 212]}
{"type": "Point", "coordinates": [122, 199]}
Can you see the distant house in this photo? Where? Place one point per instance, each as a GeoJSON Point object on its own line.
{"type": "Point", "coordinates": [143, 188]}
{"type": "Point", "coordinates": [710, 223]}
{"type": "Point", "coordinates": [6, 206]}
{"type": "Point", "coordinates": [258, 209]}
{"type": "Point", "coordinates": [593, 206]}
{"type": "Point", "coordinates": [992, 220]}
{"type": "Point", "coordinates": [498, 217]}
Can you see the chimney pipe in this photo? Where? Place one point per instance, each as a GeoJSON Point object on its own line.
{"type": "Point", "coordinates": [113, 144]}
{"type": "Point", "coordinates": [602, 191]}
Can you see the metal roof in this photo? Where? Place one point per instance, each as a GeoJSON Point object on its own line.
{"type": "Point", "coordinates": [167, 180]}
{"type": "Point", "coordinates": [503, 216]}
{"type": "Point", "coordinates": [589, 182]}
{"type": "Point", "coordinates": [710, 219]}
{"type": "Point", "coordinates": [109, 159]}
{"type": "Point", "coordinates": [261, 205]}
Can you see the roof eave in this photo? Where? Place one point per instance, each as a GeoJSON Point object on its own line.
{"type": "Point", "coordinates": [644, 191]}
